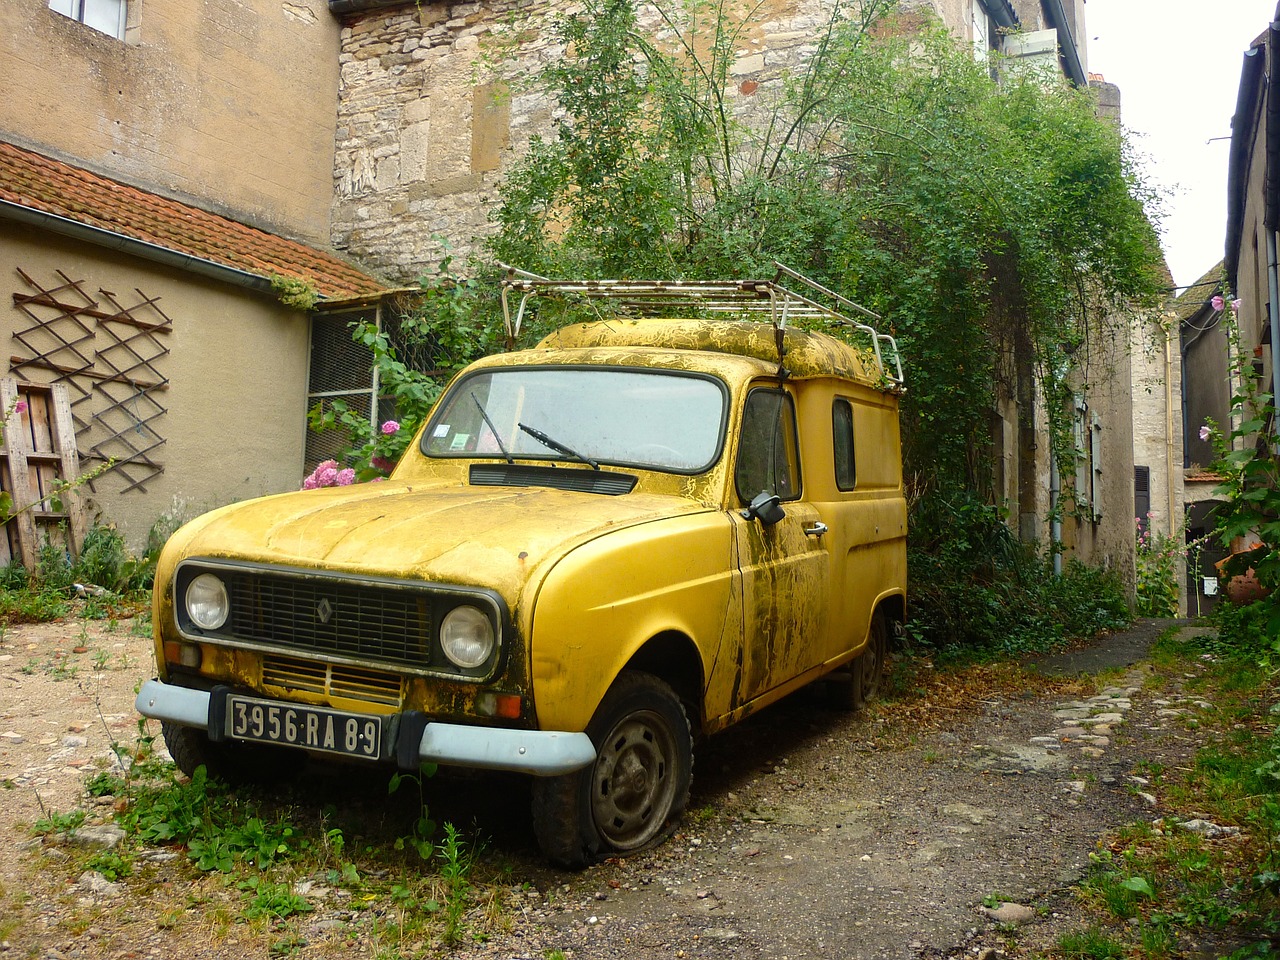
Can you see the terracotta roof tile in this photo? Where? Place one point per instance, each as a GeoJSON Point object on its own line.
{"type": "Point", "coordinates": [41, 183]}
{"type": "Point", "coordinates": [1202, 476]}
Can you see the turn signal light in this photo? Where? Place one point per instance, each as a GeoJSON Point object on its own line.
{"type": "Point", "coordinates": [508, 706]}
{"type": "Point", "coordinates": [183, 654]}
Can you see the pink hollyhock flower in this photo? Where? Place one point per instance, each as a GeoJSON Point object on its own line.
{"type": "Point", "coordinates": [390, 427]}
{"type": "Point", "coordinates": [1235, 305]}
{"type": "Point", "coordinates": [20, 407]}
{"type": "Point", "coordinates": [344, 478]}
{"type": "Point", "coordinates": [1217, 302]}
{"type": "Point", "coordinates": [1205, 432]}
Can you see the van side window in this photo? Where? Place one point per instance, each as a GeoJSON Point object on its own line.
{"type": "Point", "coordinates": [842, 443]}
{"type": "Point", "coordinates": [768, 453]}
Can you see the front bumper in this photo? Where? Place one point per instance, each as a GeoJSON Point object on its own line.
{"type": "Point", "coordinates": [543, 753]}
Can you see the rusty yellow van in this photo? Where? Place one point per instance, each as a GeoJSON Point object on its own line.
{"type": "Point", "coordinates": [597, 550]}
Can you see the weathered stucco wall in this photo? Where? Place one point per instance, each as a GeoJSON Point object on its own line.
{"type": "Point", "coordinates": [231, 104]}
{"type": "Point", "coordinates": [236, 372]}
{"type": "Point", "coordinates": [1157, 428]}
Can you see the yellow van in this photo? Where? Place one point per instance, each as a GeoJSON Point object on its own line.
{"type": "Point", "coordinates": [636, 533]}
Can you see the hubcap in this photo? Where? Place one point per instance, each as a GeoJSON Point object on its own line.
{"type": "Point", "coordinates": [633, 787]}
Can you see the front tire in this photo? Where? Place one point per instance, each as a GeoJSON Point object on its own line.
{"type": "Point", "coordinates": [632, 796]}
{"type": "Point", "coordinates": [236, 763]}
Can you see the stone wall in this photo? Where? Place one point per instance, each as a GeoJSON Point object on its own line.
{"type": "Point", "coordinates": [435, 101]}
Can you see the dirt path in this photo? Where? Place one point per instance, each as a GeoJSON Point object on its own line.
{"type": "Point", "coordinates": [812, 833]}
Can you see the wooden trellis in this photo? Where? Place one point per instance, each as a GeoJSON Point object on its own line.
{"type": "Point", "coordinates": [59, 339]}
{"type": "Point", "coordinates": [38, 469]}
{"type": "Point", "coordinates": [130, 384]}
{"type": "Point", "coordinates": [114, 380]}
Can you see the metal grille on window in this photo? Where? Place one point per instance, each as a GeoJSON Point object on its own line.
{"type": "Point", "coordinates": [341, 369]}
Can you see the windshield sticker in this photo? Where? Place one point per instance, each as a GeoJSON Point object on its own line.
{"type": "Point", "coordinates": [442, 430]}
{"type": "Point", "coordinates": [459, 441]}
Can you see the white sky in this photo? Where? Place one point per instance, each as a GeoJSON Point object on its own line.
{"type": "Point", "coordinates": [1177, 64]}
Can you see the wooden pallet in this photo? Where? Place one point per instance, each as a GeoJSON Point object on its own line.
{"type": "Point", "coordinates": [38, 457]}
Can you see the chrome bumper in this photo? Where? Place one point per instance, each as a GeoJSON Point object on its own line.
{"type": "Point", "coordinates": [543, 753]}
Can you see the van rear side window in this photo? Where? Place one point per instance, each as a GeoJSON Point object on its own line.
{"type": "Point", "coordinates": [842, 443]}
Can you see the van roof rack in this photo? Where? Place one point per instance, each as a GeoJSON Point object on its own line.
{"type": "Point", "coordinates": [766, 300]}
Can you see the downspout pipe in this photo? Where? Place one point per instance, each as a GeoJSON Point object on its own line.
{"type": "Point", "coordinates": [1071, 64]}
{"type": "Point", "coordinates": [1242, 127]}
{"type": "Point", "coordinates": [1055, 522]}
{"type": "Point", "coordinates": [17, 213]}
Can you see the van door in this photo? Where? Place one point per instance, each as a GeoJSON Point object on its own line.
{"type": "Point", "coordinates": [785, 567]}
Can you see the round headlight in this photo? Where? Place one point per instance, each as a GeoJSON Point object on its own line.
{"type": "Point", "coordinates": [466, 637]}
{"type": "Point", "coordinates": [207, 602]}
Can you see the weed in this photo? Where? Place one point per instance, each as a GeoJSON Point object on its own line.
{"type": "Point", "coordinates": [1090, 944]}
{"type": "Point", "coordinates": [269, 899]}
{"type": "Point", "coordinates": [110, 864]}
{"type": "Point", "coordinates": [53, 823]}
{"type": "Point", "coordinates": [455, 859]}
{"type": "Point", "coordinates": [100, 660]}
{"type": "Point", "coordinates": [424, 828]}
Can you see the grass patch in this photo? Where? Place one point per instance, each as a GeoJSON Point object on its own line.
{"type": "Point", "coordinates": [1155, 888]}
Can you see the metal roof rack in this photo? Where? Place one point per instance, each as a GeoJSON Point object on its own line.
{"type": "Point", "coordinates": [764, 300]}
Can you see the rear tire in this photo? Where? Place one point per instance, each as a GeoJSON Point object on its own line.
{"type": "Point", "coordinates": [860, 683]}
{"type": "Point", "coordinates": [632, 795]}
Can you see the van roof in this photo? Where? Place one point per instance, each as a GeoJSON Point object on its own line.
{"type": "Point", "coordinates": [806, 353]}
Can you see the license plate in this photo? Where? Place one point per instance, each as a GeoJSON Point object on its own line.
{"type": "Point", "coordinates": [311, 728]}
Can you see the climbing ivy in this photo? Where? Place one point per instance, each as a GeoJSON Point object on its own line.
{"type": "Point", "coordinates": [983, 220]}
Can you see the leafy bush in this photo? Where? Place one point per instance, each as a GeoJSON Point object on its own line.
{"type": "Point", "coordinates": [974, 586]}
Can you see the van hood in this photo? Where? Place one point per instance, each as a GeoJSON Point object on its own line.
{"type": "Point", "coordinates": [484, 537]}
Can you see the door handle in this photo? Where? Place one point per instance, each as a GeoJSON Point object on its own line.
{"type": "Point", "coordinates": [817, 530]}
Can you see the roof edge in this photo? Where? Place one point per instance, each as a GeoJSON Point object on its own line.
{"type": "Point", "coordinates": [167, 256]}
{"type": "Point", "coordinates": [1241, 124]}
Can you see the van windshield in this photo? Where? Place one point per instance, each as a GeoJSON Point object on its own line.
{"type": "Point", "coordinates": [660, 420]}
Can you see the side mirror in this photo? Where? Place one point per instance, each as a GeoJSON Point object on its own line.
{"type": "Point", "coordinates": [766, 507]}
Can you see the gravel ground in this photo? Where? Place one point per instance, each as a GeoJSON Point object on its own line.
{"type": "Point", "coordinates": [812, 833]}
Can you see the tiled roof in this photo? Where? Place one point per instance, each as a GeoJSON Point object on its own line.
{"type": "Point", "coordinates": [1196, 296]}
{"type": "Point", "coordinates": [40, 183]}
{"type": "Point", "coordinates": [1203, 476]}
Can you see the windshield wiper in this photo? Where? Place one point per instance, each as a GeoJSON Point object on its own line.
{"type": "Point", "coordinates": [557, 446]}
{"type": "Point", "coordinates": [497, 437]}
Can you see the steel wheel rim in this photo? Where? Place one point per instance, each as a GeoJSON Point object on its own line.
{"type": "Point", "coordinates": [635, 780]}
{"type": "Point", "coordinates": [872, 662]}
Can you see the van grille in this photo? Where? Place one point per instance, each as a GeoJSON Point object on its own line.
{"type": "Point", "coordinates": [332, 680]}
{"type": "Point", "coordinates": [332, 617]}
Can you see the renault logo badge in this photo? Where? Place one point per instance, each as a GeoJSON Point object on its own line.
{"type": "Point", "coordinates": [324, 610]}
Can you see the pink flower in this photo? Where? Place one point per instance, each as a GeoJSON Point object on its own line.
{"type": "Point", "coordinates": [1217, 302]}
{"type": "Point", "coordinates": [391, 426]}
{"type": "Point", "coordinates": [1235, 305]}
{"type": "Point", "coordinates": [324, 475]}
{"type": "Point", "coordinates": [344, 478]}
{"type": "Point", "coordinates": [20, 407]}
{"type": "Point", "coordinates": [1205, 432]}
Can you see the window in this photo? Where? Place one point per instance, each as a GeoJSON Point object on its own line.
{"type": "Point", "coordinates": [842, 443]}
{"type": "Point", "coordinates": [1088, 440]}
{"type": "Point", "coordinates": [1141, 495]}
{"type": "Point", "coordinates": [105, 16]}
{"type": "Point", "coordinates": [768, 453]}
{"type": "Point", "coordinates": [659, 419]}
{"type": "Point", "coordinates": [984, 38]}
